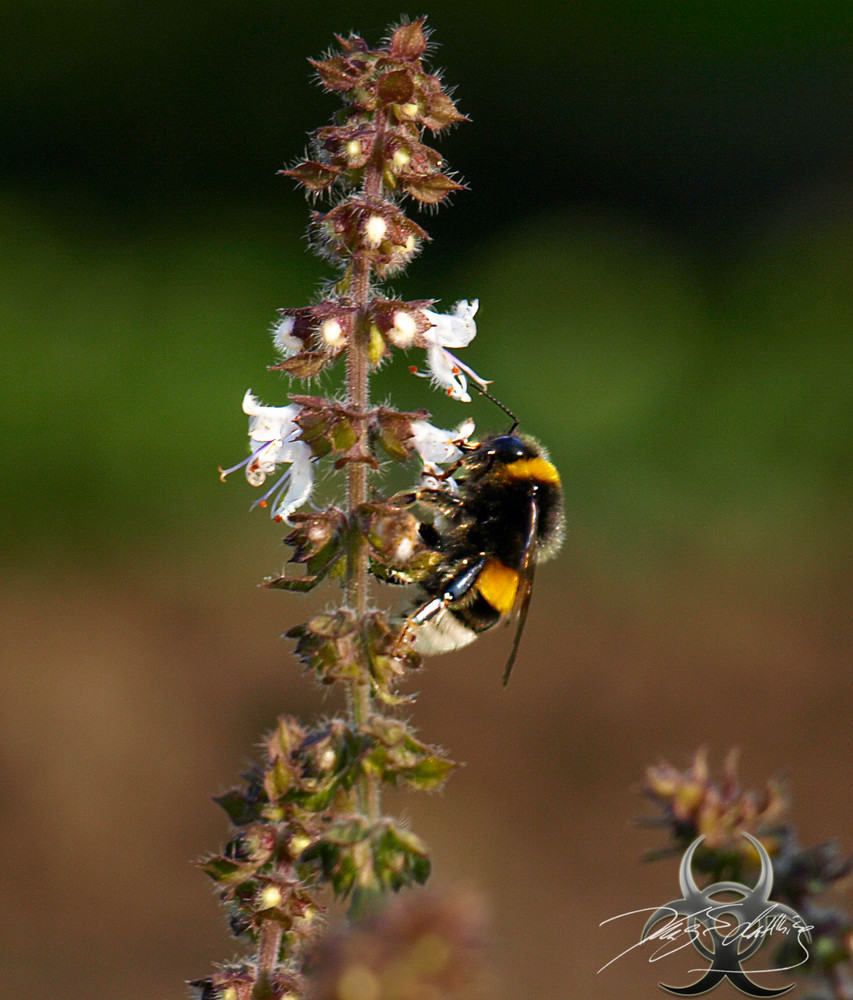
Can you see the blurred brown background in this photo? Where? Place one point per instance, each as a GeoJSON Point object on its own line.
{"type": "Point", "coordinates": [659, 229]}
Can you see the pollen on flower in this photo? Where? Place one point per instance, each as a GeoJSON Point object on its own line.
{"type": "Point", "coordinates": [409, 110]}
{"type": "Point", "coordinates": [413, 369]}
{"type": "Point", "coordinates": [333, 334]}
{"type": "Point", "coordinates": [374, 230]}
{"type": "Point", "coordinates": [402, 333]}
{"type": "Point", "coordinates": [353, 149]}
{"type": "Point", "coordinates": [262, 503]}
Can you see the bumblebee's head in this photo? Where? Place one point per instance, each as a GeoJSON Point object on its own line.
{"type": "Point", "coordinates": [507, 448]}
{"type": "Point", "coordinates": [497, 450]}
{"type": "Point", "coordinates": [511, 457]}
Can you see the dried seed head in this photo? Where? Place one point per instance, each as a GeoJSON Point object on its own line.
{"type": "Point", "coordinates": [693, 804]}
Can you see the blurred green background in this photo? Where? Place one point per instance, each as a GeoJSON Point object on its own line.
{"type": "Point", "coordinates": [659, 229]}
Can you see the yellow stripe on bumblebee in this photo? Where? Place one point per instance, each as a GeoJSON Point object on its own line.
{"type": "Point", "coordinates": [538, 469]}
{"type": "Point", "coordinates": [498, 584]}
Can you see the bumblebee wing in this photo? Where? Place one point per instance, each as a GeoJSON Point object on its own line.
{"type": "Point", "coordinates": [430, 499]}
{"type": "Point", "coordinates": [525, 591]}
{"type": "Point", "coordinates": [525, 587]}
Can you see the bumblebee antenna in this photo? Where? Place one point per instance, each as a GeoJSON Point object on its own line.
{"type": "Point", "coordinates": [500, 406]}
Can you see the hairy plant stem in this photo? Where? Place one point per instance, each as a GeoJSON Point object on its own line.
{"type": "Point", "coordinates": [269, 948]}
{"type": "Point", "coordinates": [269, 944]}
{"type": "Point", "coordinates": [359, 699]}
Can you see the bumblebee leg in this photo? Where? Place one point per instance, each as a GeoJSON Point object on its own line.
{"type": "Point", "coordinates": [455, 588]}
{"type": "Point", "coordinates": [428, 611]}
{"type": "Point", "coordinates": [424, 613]}
{"type": "Point", "coordinates": [427, 495]}
{"type": "Point", "coordinates": [396, 578]}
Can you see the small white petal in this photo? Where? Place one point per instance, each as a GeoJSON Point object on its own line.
{"type": "Point", "coordinates": [250, 403]}
{"type": "Point", "coordinates": [445, 372]}
{"type": "Point", "coordinates": [268, 423]}
{"type": "Point", "coordinates": [437, 446]}
{"type": "Point", "coordinates": [466, 310]}
{"type": "Point", "coordinates": [300, 481]}
{"type": "Point", "coordinates": [464, 431]}
{"type": "Point", "coordinates": [454, 329]}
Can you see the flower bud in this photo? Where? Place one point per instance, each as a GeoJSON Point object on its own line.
{"type": "Point", "coordinates": [270, 897]}
{"type": "Point", "coordinates": [332, 334]}
{"type": "Point", "coordinates": [375, 229]}
{"type": "Point", "coordinates": [403, 330]}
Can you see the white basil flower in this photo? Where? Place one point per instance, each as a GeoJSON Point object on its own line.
{"type": "Point", "coordinates": [454, 329]}
{"type": "Point", "coordinates": [437, 446]}
{"type": "Point", "coordinates": [273, 441]}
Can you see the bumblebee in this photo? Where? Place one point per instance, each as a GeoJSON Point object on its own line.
{"type": "Point", "coordinates": [506, 517]}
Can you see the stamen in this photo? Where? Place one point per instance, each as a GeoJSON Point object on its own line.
{"type": "Point", "coordinates": [227, 472]}
{"type": "Point", "coordinates": [470, 371]}
{"type": "Point", "coordinates": [261, 502]}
